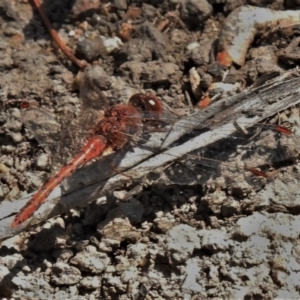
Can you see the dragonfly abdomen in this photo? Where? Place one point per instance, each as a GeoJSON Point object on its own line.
{"type": "Point", "coordinates": [93, 148]}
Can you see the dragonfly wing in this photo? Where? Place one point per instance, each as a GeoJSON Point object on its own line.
{"type": "Point", "coordinates": [43, 126]}
{"type": "Point", "coordinates": [63, 138]}
{"type": "Point", "coordinates": [91, 93]}
{"type": "Point", "coordinates": [228, 162]}
{"type": "Point", "coordinates": [52, 135]}
{"type": "Point", "coordinates": [93, 102]}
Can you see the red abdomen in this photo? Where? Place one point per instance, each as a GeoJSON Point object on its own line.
{"type": "Point", "coordinates": [93, 148]}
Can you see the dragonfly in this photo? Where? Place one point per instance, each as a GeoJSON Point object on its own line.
{"type": "Point", "coordinates": [96, 131]}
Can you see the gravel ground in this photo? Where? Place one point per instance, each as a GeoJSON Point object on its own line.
{"type": "Point", "coordinates": [168, 242]}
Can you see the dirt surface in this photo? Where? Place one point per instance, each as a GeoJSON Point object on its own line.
{"type": "Point", "coordinates": [227, 237]}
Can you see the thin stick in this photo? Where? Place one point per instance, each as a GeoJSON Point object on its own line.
{"type": "Point", "coordinates": [81, 64]}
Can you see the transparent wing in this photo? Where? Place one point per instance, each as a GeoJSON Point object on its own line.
{"type": "Point", "coordinates": [231, 162]}
{"type": "Point", "coordinates": [51, 134]}
{"type": "Point", "coordinates": [91, 95]}
{"type": "Point", "coordinates": [63, 137]}
{"type": "Point", "coordinates": [43, 126]}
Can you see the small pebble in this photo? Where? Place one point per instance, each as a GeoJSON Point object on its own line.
{"type": "Point", "coordinates": [192, 46]}
{"type": "Point", "coordinates": [3, 116]}
{"type": "Point", "coordinates": [1, 192]}
{"type": "Point", "coordinates": [48, 271]}
{"type": "Point", "coordinates": [8, 149]}
{"type": "Point", "coordinates": [42, 161]}
{"type": "Point", "coordinates": [47, 263]}
{"type": "Point", "coordinates": [71, 33]}
{"type": "Point", "coordinates": [20, 165]}
{"type": "Point", "coordinates": [112, 44]}
{"type": "Point", "coordinates": [13, 193]}
{"type": "Point", "coordinates": [16, 137]}
{"type": "Point", "coordinates": [3, 168]}
{"type": "Point", "coordinates": [60, 221]}
{"type": "Point", "coordinates": [91, 47]}
{"type": "Point", "coordinates": [26, 269]}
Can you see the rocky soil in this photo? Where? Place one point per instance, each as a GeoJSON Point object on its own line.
{"type": "Point", "coordinates": [168, 242]}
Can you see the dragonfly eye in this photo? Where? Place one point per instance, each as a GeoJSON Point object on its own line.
{"type": "Point", "coordinates": [151, 102]}
{"type": "Point", "coordinates": [147, 104]}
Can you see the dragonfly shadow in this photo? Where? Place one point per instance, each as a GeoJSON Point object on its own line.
{"type": "Point", "coordinates": [227, 163]}
{"type": "Point", "coordinates": [88, 183]}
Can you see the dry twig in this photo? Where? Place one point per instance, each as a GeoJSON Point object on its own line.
{"type": "Point", "coordinates": [80, 63]}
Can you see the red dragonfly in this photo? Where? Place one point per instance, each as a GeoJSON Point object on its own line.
{"type": "Point", "coordinates": [115, 128]}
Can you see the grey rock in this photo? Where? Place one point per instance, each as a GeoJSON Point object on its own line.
{"type": "Point", "coordinates": [16, 136]}
{"type": "Point", "coordinates": [155, 277]}
{"type": "Point", "coordinates": [122, 263]}
{"type": "Point", "coordinates": [42, 161]}
{"type": "Point", "coordinates": [3, 117]}
{"type": "Point", "coordinates": [90, 282]}
{"type": "Point", "coordinates": [116, 282]}
{"type": "Point", "coordinates": [254, 274]}
{"type": "Point", "coordinates": [239, 292]}
{"type": "Point", "coordinates": [32, 286]}
{"type": "Point", "coordinates": [192, 284]}
{"type": "Point", "coordinates": [137, 50]}
{"type": "Point", "coordinates": [116, 231]}
{"type": "Point", "coordinates": [10, 261]}
{"type": "Point", "coordinates": [280, 277]}
{"type": "Point", "coordinates": [150, 32]}
{"type": "Point", "coordinates": [282, 194]}
{"type": "Point", "coordinates": [117, 228]}
{"type": "Point", "coordinates": [21, 164]}
{"type": "Point", "coordinates": [96, 76]}
{"type": "Point", "coordinates": [254, 251]}
{"type": "Point", "coordinates": [120, 4]}
{"type": "Point", "coordinates": [155, 72]}
{"type": "Point", "coordinates": [94, 262]}
{"type": "Point", "coordinates": [214, 273]}
{"type": "Point", "coordinates": [3, 272]}
{"type": "Point", "coordinates": [214, 201]}
{"type": "Point", "coordinates": [278, 224]}
{"type": "Point", "coordinates": [63, 274]}
{"type": "Point", "coordinates": [91, 47]}
{"type": "Point", "coordinates": [230, 207]}
{"type": "Point", "coordinates": [14, 192]}
{"type": "Point", "coordinates": [3, 44]}
{"type": "Point", "coordinates": [214, 239]}
{"type": "Point", "coordinates": [197, 56]}
{"type": "Point", "coordinates": [180, 242]}
{"type": "Point", "coordinates": [285, 293]}
{"type": "Point", "coordinates": [164, 223]}
{"type": "Point", "coordinates": [138, 252]}
{"type": "Point", "coordinates": [130, 274]}
{"type": "Point", "coordinates": [82, 7]}
{"type": "Point", "coordinates": [16, 114]}
{"type": "Point", "coordinates": [13, 125]}
{"type": "Point", "coordinates": [193, 9]}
